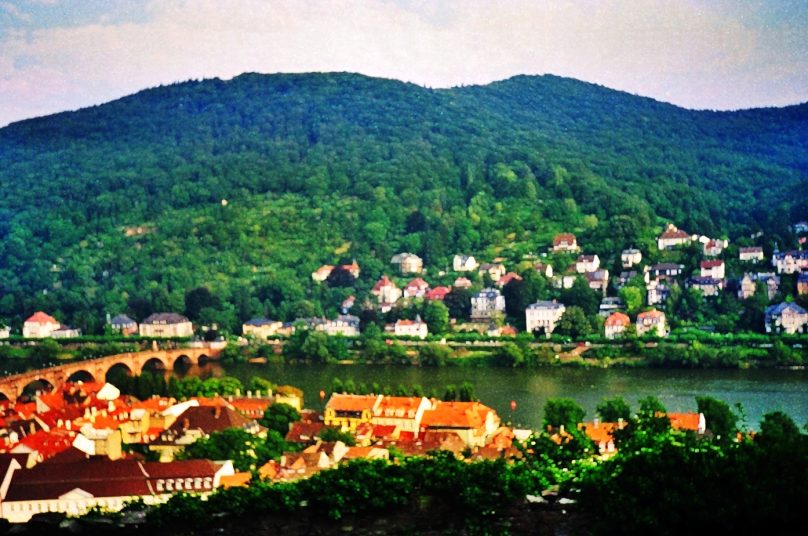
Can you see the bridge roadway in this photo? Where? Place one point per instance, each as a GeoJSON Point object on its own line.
{"type": "Point", "coordinates": [12, 386]}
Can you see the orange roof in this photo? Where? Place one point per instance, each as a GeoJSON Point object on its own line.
{"type": "Point", "coordinates": [618, 319]}
{"type": "Point", "coordinates": [41, 318]}
{"type": "Point", "coordinates": [653, 313]}
{"type": "Point", "coordinates": [567, 238]}
{"type": "Point", "coordinates": [685, 421]}
{"type": "Point", "coordinates": [456, 415]}
{"type": "Point", "coordinates": [154, 404]}
{"type": "Point", "coordinates": [406, 403]}
{"type": "Point", "coordinates": [383, 282]}
{"type": "Point", "coordinates": [237, 480]}
{"type": "Point", "coordinates": [600, 432]}
{"type": "Point", "coordinates": [507, 278]}
{"type": "Point", "coordinates": [216, 401]}
{"type": "Point", "coordinates": [672, 232]}
{"type": "Point", "coordinates": [340, 402]}
{"type": "Point", "coordinates": [418, 282]}
{"type": "Point", "coordinates": [251, 404]}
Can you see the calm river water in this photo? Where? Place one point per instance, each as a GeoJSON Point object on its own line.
{"type": "Point", "coordinates": [758, 391]}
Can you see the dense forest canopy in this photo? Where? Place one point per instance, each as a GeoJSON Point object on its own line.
{"type": "Point", "coordinates": [246, 186]}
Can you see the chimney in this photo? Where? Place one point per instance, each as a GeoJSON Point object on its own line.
{"type": "Point", "coordinates": [218, 412]}
{"type": "Point", "coordinates": [186, 423]}
{"type": "Point", "coordinates": [620, 422]}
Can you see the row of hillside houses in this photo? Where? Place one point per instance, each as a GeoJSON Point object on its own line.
{"type": "Point", "coordinates": [41, 325]}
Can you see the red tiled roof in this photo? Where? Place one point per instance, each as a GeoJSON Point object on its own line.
{"type": "Point", "coordinates": [456, 415]}
{"type": "Point", "coordinates": [618, 319]}
{"type": "Point", "coordinates": [41, 318]}
{"type": "Point", "coordinates": [712, 263]}
{"type": "Point", "coordinates": [437, 293]}
{"type": "Point", "coordinates": [383, 282]}
{"type": "Point", "coordinates": [418, 283]}
{"type": "Point", "coordinates": [304, 431]}
{"type": "Point", "coordinates": [567, 238]}
{"type": "Point", "coordinates": [340, 402]}
{"type": "Point", "coordinates": [653, 313]}
{"type": "Point", "coordinates": [684, 421]}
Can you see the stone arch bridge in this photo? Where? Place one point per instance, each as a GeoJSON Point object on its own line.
{"type": "Point", "coordinates": [11, 387]}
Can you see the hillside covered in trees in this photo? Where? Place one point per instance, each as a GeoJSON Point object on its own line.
{"type": "Point", "coordinates": [246, 186]}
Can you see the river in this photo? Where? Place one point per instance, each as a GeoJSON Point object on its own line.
{"type": "Point", "coordinates": [758, 391]}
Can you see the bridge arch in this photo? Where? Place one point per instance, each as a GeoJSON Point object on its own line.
{"type": "Point", "coordinates": [81, 375]}
{"type": "Point", "coordinates": [34, 386]}
{"type": "Point", "coordinates": [117, 369]}
{"type": "Point", "coordinates": [153, 364]}
{"type": "Point", "coordinates": [182, 361]}
{"type": "Point", "coordinates": [202, 359]}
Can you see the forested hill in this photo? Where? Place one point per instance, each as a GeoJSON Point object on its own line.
{"type": "Point", "coordinates": [320, 168]}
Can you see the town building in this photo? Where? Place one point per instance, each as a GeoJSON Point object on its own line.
{"type": "Point", "coordinates": [507, 278]}
{"type": "Point", "coordinates": [750, 254]}
{"type": "Point", "coordinates": [347, 412]}
{"type": "Point", "coordinates": [322, 273]}
{"type": "Point", "coordinates": [403, 413]}
{"type": "Point", "coordinates": [166, 325]}
{"type": "Point", "coordinates": [709, 286]}
{"type": "Point", "coordinates": [416, 288]}
{"type": "Point", "coordinates": [408, 263]}
{"type": "Point", "coordinates": [664, 271]}
{"type": "Point", "coordinates": [616, 325]}
{"type": "Point", "coordinates": [652, 322]}
{"type": "Point", "coordinates": [656, 292]}
{"type": "Point", "coordinates": [5, 332]}
{"type": "Point", "coordinates": [75, 487]}
{"type": "Point", "coordinates": [802, 284]}
{"type": "Point", "coordinates": [713, 268]}
{"type": "Point", "coordinates": [345, 325]}
{"type": "Point", "coordinates": [437, 293]}
{"type": "Point", "coordinates": [124, 325]}
{"type": "Point", "coordinates": [65, 332]}
{"type": "Point", "coordinates": [261, 328]}
{"type": "Point", "coordinates": [543, 316]}
{"type": "Point", "coordinates": [609, 305]}
{"type": "Point", "coordinates": [672, 237]}
{"type": "Point", "coordinates": [473, 422]}
{"type": "Point", "coordinates": [464, 263]}
{"type": "Point", "coordinates": [790, 262]}
{"type": "Point", "coordinates": [411, 328]}
{"type": "Point", "coordinates": [544, 269]}
{"type": "Point", "coordinates": [772, 282]}
{"type": "Point", "coordinates": [386, 291]}
{"type": "Point", "coordinates": [587, 263]}
{"type": "Point", "coordinates": [714, 247]}
{"type": "Point", "coordinates": [39, 326]}
{"type": "Point", "coordinates": [598, 280]}
{"type": "Point", "coordinates": [462, 282]}
{"type": "Point", "coordinates": [746, 287]}
{"type": "Point", "coordinates": [486, 304]}
{"type": "Point", "coordinates": [630, 257]}
{"type": "Point", "coordinates": [565, 243]}
{"type": "Point", "coordinates": [787, 318]}
{"type": "Point", "coordinates": [494, 270]}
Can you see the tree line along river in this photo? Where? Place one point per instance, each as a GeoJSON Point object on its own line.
{"type": "Point", "coordinates": [758, 391]}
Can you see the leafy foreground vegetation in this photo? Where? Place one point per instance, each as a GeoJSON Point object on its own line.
{"type": "Point", "coordinates": [661, 481]}
{"type": "Point", "coordinates": [246, 186]}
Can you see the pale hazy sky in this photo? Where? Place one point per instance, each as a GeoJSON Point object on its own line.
{"type": "Point", "coordinates": [723, 54]}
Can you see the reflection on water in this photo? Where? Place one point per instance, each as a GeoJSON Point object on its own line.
{"type": "Point", "coordinates": [758, 391]}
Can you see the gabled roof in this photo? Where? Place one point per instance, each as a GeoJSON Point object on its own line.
{"type": "Point", "coordinates": [122, 320]}
{"type": "Point", "coordinates": [41, 318]}
{"type": "Point", "coordinates": [209, 419]}
{"type": "Point", "coordinates": [418, 283]}
{"type": "Point", "coordinates": [672, 232]}
{"type": "Point", "coordinates": [566, 238]}
{"type": "Point", "coordinates": [341, 402]}
{"type": "Point", "coordinates": [653, 313]}
{"type": "Point", "coordinates": [712, 263]}
{"type": "Point", "coordinates": [780, 308]}
{"type": "Point", "coordinates": [260, 321]}
{"type": "Point", "coordinates": [618, 319]}
{"type": "Point", "coordinates": [752, 249]}
{"type": "Point", "coordinates": [384, 281]}
{"type": "Point", "coordinates": [165, 318]}
{"type": "Point", "coordinates": [456, 415]}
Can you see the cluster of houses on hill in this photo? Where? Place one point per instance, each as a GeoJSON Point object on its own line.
{"type": "Point", "coordinates": [488, 304]}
